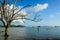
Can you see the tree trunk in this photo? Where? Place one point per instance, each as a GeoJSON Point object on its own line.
{"type": "Point", "coordinates": [6, 31]}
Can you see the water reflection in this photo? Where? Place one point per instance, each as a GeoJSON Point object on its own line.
{"type": "Point", "coordinates": [2, 36]}
{"type": "Point", "coordinates": [37, 29]}
{"type": "Point", "coordinates": [6, 37]}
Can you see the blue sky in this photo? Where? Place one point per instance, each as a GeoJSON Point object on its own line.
{"type": "Point", "coordinates": [50, 15]}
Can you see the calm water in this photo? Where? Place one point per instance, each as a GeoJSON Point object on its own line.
{"type": "Point", "coordinates": [31, 32]}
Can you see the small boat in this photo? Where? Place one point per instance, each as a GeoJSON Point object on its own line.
{"type": "Point", "coordinates": [38, 26]}
{"type": "Point", "coordinates": [56, 26]}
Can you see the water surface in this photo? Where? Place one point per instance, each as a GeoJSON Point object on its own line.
{"type": "Point", "coordinates": [30, 32]}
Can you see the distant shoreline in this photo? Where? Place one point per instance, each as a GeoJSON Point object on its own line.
{"type": "Point", "coordinates": [14, 26]}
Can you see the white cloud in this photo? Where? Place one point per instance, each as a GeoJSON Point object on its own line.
{"type": "Point", "coordinates": [19, 20]}
{"type": "Point", "coordinates": [23, 12]}
{"type": "Point", "coordinates": [38, 7]}
{"type": "Point", "coordinates": [11, 6]}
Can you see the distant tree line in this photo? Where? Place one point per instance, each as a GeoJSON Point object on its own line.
{"type": "Point", "coordinates": [14, 26]}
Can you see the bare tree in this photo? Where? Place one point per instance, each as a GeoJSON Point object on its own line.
{"type": "Point", "coordinates": [7, 15]}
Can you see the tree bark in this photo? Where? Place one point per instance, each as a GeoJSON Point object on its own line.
{"type": "Point", "coordinates": [6, 31]}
